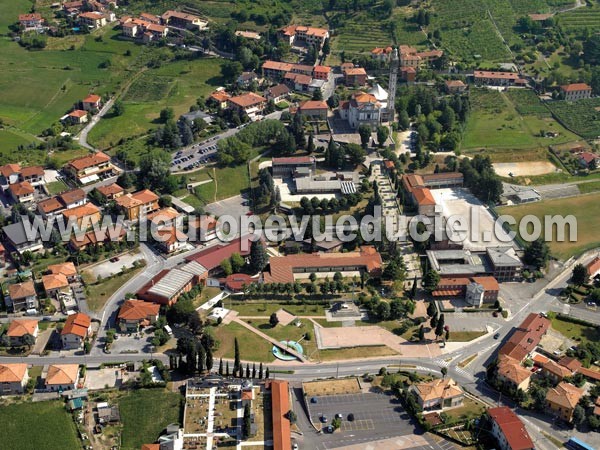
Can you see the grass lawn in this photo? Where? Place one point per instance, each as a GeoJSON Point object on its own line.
{"type": "Point", "coordinates": [145, 414]}
{"type": "Point", "coordinates": [252, 346]}
{"type": "Point", "coordinates": [586, 188]}
{"type": "Point", "coordinates": [464, 336]}
{"type": "Point", "coordinates": [56, 187]}
{"type": "Point", "coordinates": [356, 352]}
{"type": "Point", "coordinates": [507, 121]}
{"type": "Point", "coordinates": [588, 223]}
{"type": "Point", "coordinates": [575, 331]}
{"type": "Point", "coordinates": [45, 425]}
{"type": "Point", "coordinates": [266, 308]}
{"type": "Point", "coordinates": [470, 409]}
{"type": "Point", "coordinates": [98, 294]}
{"type": "Point", "coordinates": [227, 182]}
{"type": "Point", "coordinates": [289, 332]}
{"type": "Point", "coordinates": [206, 295]}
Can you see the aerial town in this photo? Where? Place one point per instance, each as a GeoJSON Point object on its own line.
{"type": "Point", "coordinates": [289, 224]}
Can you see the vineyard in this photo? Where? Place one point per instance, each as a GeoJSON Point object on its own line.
{"type": "Point", "coordinates": [360, 34]}
{"type": "Point", "coordinates": [527, 103]}
{"type": "Point", "coordinates": [581, 19]}
{"type": "Point", "coordinates": [582, 116]}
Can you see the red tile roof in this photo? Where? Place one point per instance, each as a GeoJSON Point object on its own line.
{"type": "Point", "coordinates": [292, 160]}
{"type": "Point", "coordinates": [212, 257]}
{"type": "Point", "coordinates": [282, 267]}
{"type": "Point", "coordinates": [280, 406]}
{"type": "Point", "coordinates": [276, 65]}
{"type": "Point", "coordinates": [111, 189]}
{"type": "Point", "coordinates": [138, 310]}
{"type": "Point", "coordinates": [21, 327]}
{"type": "Point", "coordinates": [575, 87]}
{"type": "Point", "coordinates": [32, 170]}
{"type": "Point", "coordinates": [313, 104]}
{"type": "Point", "coordinates": [423, 196]}
{"type": "Point", "coordinates": [513, 429]}
{"type": "Point", "coordinates": [10, 169]}
{"type": "Point", "coordinates": [21, 188]}
{"type": "Point", "coordinates": [496, 75]}
{"type": "Point", "coordinates": [526, 337]}
{"type": "Point", "coordinates": [77, 324]}
{"type": "Point", "coordinates": [237, 281]}
{"type": "Point", "coordinates": [89, 161]}
{"type": "Point", "coordinates": [247, 100]}
{"type": "Point", "coordinates": [92, 98]}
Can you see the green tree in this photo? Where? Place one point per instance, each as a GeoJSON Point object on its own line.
{"type": "Point", "coordinates": [439, 326]}
{"type": "Point", "coordinates": [237, 262]}
{"type": "Point", "coordinates": [434, 321]}
{"type": "Point", "coordinates": [118, 108]}
{"type": "Point", "coordinates": [365, 134]}
{"type": "Point", "coordinates": [273, 320]}
{"type": "Point", "coordinates": [444, 371]}
{"type": "Point", "coordinates": [246, 422]}
{"type": "Point", "coordinates": [430, 281]}
{"type": "Point", "coordinates": [537, 253]}
{"type": "Point", "coordinates": [258, 256]}
{"type": "Point", "coordinates": [580, 275]}
{"type": "Point", "coordinates": [431, 309]}
{"type": "Point", "coordinates": [421, 333]}
{"type": "Point", "coordinates": [226, 267]}
{"type": "Point", "coordinates": [383, 133]}
{"type": "Point", "coordinates": [236, 356]}
{"type": "Point", "coordinates": [221, 367]}
{"type": "Point", "coordinates": [166, 114]}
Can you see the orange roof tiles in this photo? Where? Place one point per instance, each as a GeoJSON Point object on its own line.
{"type": "Point", "coordinates": [247, 100]}
{"type": "Point", "coordinates": [89, 161]}
{"type": "Point", "coordinates": [512, 427]}
{"type": "Point", "coordinates": [67, 269]}
{"type": "Point", "coordinates": [137, 310]}
{"type": "Point", "coordinates": [72, 196]}
{"type": "Point", "coordinates": [54, 281]}
{"type": "Point", "coordinates": [21, 327]}
{"type": "Point", "coordinates": [77, 324]}
{"type": "Point", "coordinates": [313, 104]}
{"type": "Point", "coordinates": [21, 188]}
{"type": "Point", "coordinates": [423, 196]}
{"type": "Point", "coordinates": [12, 373]}
{"type": "Point", "coordinates": [92, 98]}
{"type": "Point", "coordinates": [32, 170]}
{"type": "Point", "coordinates": [62, 374]}
{"type": "Point", "coordinates": [10, 169]}
{"type": "Point", "coordinates": [79, 113]}
{"type": "Point", "coordinates": [78, 212]}
{"type": "Point", "coordinates": [575, 87]}
{"type": "Point", "coordinates": [280, 405]}
{"type": "Point", "coordinates": [496, 75]}
{"type": "Point", "coordinates": [21, 290]}
{"type": "Point", "coordinates": [110, 189]}
{"type": "Point", "coordinates": [276, 65]}
{"type": "Point", "coordinates": [438, 389]}
{"type": "Point", "coordinates": [29, 17]}
{"type": "Point", "coordinates": [565, 395]}
{"type": "Point", "coordinates": [355, 71]}
{"type": "Point", "coordinates": [282, 267]}
{"type": "Point", "coordinates": [526, 336]}
{"type": "Point", "coordinates": [512, 370]}
{"type": "Point", "coordinates": [164, 214]}
{"type": "Point", "coordinates": [559, 371]}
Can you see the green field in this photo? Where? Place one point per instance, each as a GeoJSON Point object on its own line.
{"type": "Point", "coordinates": [585, 208]}
{"type": "Point", "coordinates": [582, 116]}
{"type": "Point", "coordinates": [145, 414]}
{"type": "Point", "coordinates": [46, 425]}
{"type": "Point", "coordinates": [252, 346]}
{"type": "Point", "coordinates": [227, 182]}
{"type": "Point", "coordinates": [513, 120]}
{"type": "Point", "coordinates": [575, 331]}
{"type": "Point", "coordinates": [176, 85]}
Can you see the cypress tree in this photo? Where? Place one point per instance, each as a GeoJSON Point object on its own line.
{"type": "Point", "coordinates": [227, 369]}
{"type": "Point", "coordinates": [254, 370]}
{"type": "Point", "coordinates": [221, 366]}
{"type": "Point", "coordinates": [260, 371]}
{"type": "Point", "coordinates": [236, 360]}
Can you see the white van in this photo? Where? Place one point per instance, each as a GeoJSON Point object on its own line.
{"type": "Point", "coordinates": [168, 329]}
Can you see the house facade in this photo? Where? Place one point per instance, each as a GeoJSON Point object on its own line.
{"type": "Point", "coordinates": [19, 328]}
{"type": "Point", "coordinates": [562, 400]}
{"type": "Point", "coordinates": [21, 296]}
{"type": "Point", "coordinates": [509, 430]}
{"type": "Point", "coordinates": [90, 168]}
{"type": "Point", "coordinates": [62, 377]}
{"type": "Point", "coordinates": [75, 331]}
{"type": "Point", "coordinates": [13, 379]}
{"type": "Point", "coordinates": [362, 109]}
{"type": "Point", "coordinates": [137, 204]}
{"type": "Point", "coordinates": [438, 394]}
{"type": "Point", "coordinates": [136, 314]}
{"type": "Point", "coordinates": [576, 91]}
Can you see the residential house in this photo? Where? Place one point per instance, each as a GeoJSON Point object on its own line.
{"type": "Point", "coordinates": [382, 54]}
{"type": "Point", "coordinates": [34, 175]}
{"type": "Point", "coordinates": [138, 204]}
{"type": "Point", "coordinates": [136, 314]}
{"type": "Point", "coordinates": [287, 269]}
{"type": "Point", "coordinates": [154, 32]}
{"type": "Point", "coordinates": [276, 70]}
{"type": "Point", "coordinates": [84, 216]}
{"type": "Point", "coordinates": [19, 328]}
{"type": "Point", "coordinates": [164, 217]}
{"type": "Point", "coordinates": [55, 283]}
{"type": "Point", "coordinates": [77, 329]}
{"type": "Point", "coordinates": [73, 198]}
{"type": "Point", "coordinates": [562, 400]}
{"type": "Point", "coordinates": [362, 109]}
{"type": "Point", "coordinates": [321, 72]}
{"type": "Point", "coordinates": [91, 168]}
{"type": "Point", "coordinates": [576, 91]}
{"type": "Point", "coordinates": [21, 296]}
{"type": "Point", "coordinates": [9, 174]}
{"type": "Point", "coordinates": [66, 269]}
{"type": "Point", "coordinates": [302, 35]}
{"type": "Point", "coordinates": [280, 407]}
{"type": "Point", "coordinates": [178, 19]}
{"type": "Point", "coordinates": [73, 8]}
{"type": "Point", "coordinates": [32, 20]}
{"type": "Point", "coordinates": [512, 374]}
{"type": "Point", "coordinates": [571, 363]}
{"type": "Point", "coordinates": [555, 372]}
{"type": "Point", "coordinates": [246, 79]}
{"type": "Point", "coordinates": [408, 74]}
{"type": "Point", "coordinates": [438, 394]}
{"type": "Point", "coordinates": [22, 192]}
{"type": "Point", "coordinates": [497, 78]}
{"type": "Point", "coordinates": [91, 102]}
{"type": "Point", "coordinates": [111, 191]}
{"type": "Point", "coordinates": [355, 76]}
{"type": "Point", "coordinates": [455, 86]}
{"type": "Point", "coordinates": [16, 237]}
{"type": "Point", "coordinates": [250, 104]}
{"type": "Point", "coordinates": [152, 18]}
{"type": "Point", "coordinates": [170, 239]}
{"type": "Point", "coordinates": [210, 258]}
{"type": "Point", "coordinates": [525, 338]}
{"type": "Point", "coordinates": [202, 229]}
{"type": "Point", "coordinates": [314, 109]}
{"type": "Point", "coordinates": [509, 430]}
{"type": "Point", "coordinates": [589, 160]}
{"type": "Point", "coordinates": [80, 243]}
{"type": "Point", "coordinates": [93, 19]}
{"type": "Point", "coordinates": [298, 81]}
{"type": "Point", "coordinates": [13, 378]}
{"type": "Point", "coordinates": [277, 93]}
{"type": "Point", "coordinates": [220, 98]}
{"type": "Point", "coordinates": [62, 377]}
{"type": "Point", "coordinates": [77, 117]}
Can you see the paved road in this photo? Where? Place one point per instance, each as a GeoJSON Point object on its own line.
{"type": "Point", "coordinates": [83, 134]}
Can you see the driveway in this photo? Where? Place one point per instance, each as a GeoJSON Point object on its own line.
{"type": "Point", "coordinates": [108, 268]}
{"type": "Point", "coordinates": [233, 206]}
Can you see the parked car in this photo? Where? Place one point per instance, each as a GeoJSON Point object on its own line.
{"type": "Point", "coordinates": [114, 259]}
{"type": "Point", "coordinates": [497, 335]}
{"type": "Point", "coordinates": [324, 419]}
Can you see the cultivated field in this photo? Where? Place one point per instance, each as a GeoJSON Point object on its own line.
{"type": "Point", "coordinates": [582, 116]}
{"type": "Point", "coordinates": [585, 208]}
{"type": "Point", "coordinates": [40, 425]}
{"type": "Point", "coordinates": [501, 120]}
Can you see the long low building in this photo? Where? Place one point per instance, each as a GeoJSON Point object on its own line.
{"type": "Point", "coordinates": [285, 269]}
{"type": "Point", "coordinates": [500, 262]}
{"type": "Point", "coordinates": [280, 406]}
{"type": "Point", "coordinates": [166, 287]}
{"type": "Point", "coordinates": [525, 337]}
{"type": "Point", "coordinates": [418, 188]}
{"type": "Point", "coordinates": [475, 290]}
